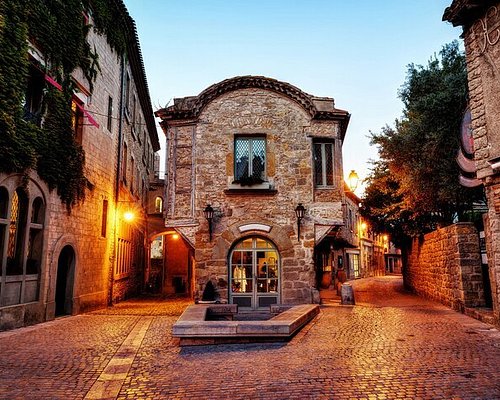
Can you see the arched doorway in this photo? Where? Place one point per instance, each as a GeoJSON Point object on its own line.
{"type": "Point", "coordinates": [64, 282]}
{"type": "Point", "coordinates": [254, 274]}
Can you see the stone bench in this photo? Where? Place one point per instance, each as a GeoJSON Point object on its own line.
{"type": "Point", "coordinates": [193, 328]}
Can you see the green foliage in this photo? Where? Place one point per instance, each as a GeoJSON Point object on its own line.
{"type": "Point", "coordinates": [16, 136]}
{"type": "Point", "coordinates": [59, 31]}
{"type": "Point", "coordinates": [414, 187]}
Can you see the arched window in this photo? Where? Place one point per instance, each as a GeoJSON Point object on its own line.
{"type": "Point", "coordinates": [254, 273]}
{"type": "Point", "coordinates": [158, 204]}
{"type": "Point", "coordinates": [21, 243]}
{"type": "Point", "coordinates": [17, 232]}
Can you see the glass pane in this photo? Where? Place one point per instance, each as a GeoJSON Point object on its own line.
{"type": "Point", "coordinates": [34, 252]}
{"type": "Point", "coordinates": [329, 163]}
{"type": "Point", "coordinates": [241, 286]}
{"type": "Point", "coordinates": [241, 156]}
{"type": "Point", "coordinates": [262, 285]}
{"type": "Point", "coordinates": [272, 285]}
{"type": "Point", "coordinates": [38, 210]}
{"type": "Point", "coordinates": [258, 158]}
{"type": "Point", "coordinates": [272, 270]}
{"type": "Point", "coordinates": [245, 244]}
{"type": "Point", "coordinates": [247, 257]}
{"type": "Point", "coordinates": [4, 201]}
{"type": "Point", "coordinates": [318, 171]}
{"type": "Point", "coordinates": [19, 212]}
{"type": "Point", "coordinates": [236, 258]}
{"type": "Point", "coordinates": [262, 244]}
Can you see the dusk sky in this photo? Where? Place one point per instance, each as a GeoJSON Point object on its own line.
{"type": "Point", "coordinates": [354, 51]}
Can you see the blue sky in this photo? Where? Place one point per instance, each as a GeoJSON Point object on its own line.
{"type": "Point", "coordinates": [355, 51]}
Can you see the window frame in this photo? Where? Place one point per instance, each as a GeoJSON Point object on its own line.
{"type": "Point", "coordinates": [29, 241]}
{"type": "Point", "coordinates": [324, 176]}
{"type": "Point", "coordinates": [250, 138]}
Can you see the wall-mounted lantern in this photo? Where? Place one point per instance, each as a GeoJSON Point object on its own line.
{"type": "Point", "coordinates": [208, 212]}
{"type": "Point", "coordinates": [299, 212]}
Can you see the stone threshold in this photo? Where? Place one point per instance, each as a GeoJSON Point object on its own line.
{"type": "Point", "coordinates": [192, 327]}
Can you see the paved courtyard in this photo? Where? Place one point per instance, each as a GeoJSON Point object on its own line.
{"type": "Point", "coordinates": [391, 345]}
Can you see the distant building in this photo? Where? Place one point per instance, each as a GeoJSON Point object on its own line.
{"type": "Point", "coordinates": [53, 263]}
{"type": "Point", "coordinates": [480, 21]}
{"type": "Point", "coordinates": [262, 160]}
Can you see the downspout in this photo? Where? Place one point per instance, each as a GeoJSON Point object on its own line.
{"type": "Point", "coordinates": [117, 180]}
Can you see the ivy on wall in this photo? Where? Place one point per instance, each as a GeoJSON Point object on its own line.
{"type": "Point", "coordinates": [59, 30]}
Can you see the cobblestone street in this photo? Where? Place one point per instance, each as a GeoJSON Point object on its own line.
{"type": "Point", "coordinates": [390, 345]}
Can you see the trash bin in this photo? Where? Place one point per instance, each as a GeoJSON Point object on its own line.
{"type": "Point", "coordinates": [347, 294]}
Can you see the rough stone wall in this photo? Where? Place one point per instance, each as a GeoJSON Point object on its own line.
{"type": "Point", "coordinates": [445, 265]}
{"type": "Point", "coordinates": [204, 176]}
{"type": "Point", "coordinates": [482, 44]}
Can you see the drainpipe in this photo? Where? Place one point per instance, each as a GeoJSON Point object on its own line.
{"type": "Point", "coordinates": [117, 179]}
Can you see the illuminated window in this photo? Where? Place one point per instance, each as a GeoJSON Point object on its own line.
{"type": "Point", "coordinates": [158, 204]}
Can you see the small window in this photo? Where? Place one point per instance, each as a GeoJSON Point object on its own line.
{"type": "Point", "coordinates": [323, 164]}
{"type": "Point", "coordinates": [110, 113]}
{"type": "Point", "coordinates": [249, 160]}
{"type": "Point", "coordinates": [104, 220]}
{"type": "Point", "coordinates": [126, 90]}
{"type": "Point", "coordinates": [158, 204]}
{"type": "Point", "coordinates": [134, 114]}
{"type": "Point", "coordinates": [77, 120]}
{"type": "Point", "coordinates": [124, 163]}
{"type": "Point", "coordinates": [132, 174]}
{"type": "Point", "coordinates": [33, 100]}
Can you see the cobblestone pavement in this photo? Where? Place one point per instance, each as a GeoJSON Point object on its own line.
{"type": "Point", "coordinates": [391, 345]}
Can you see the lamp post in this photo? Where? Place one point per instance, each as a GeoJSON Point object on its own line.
{"type": "Point", "coordinates": [299, 213]}
{"type": "Point", "coordinates": [208, 212]}
{"type": "Point", "coordinates": [353, 180]}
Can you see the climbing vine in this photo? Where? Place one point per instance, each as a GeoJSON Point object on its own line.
{"type": "Point", "coordinates": [58, 29]}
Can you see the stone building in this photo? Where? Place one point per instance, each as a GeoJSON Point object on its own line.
{"type": "Point", "coordinates": [53, 262]}
{"type": "Point", "coordinates": [480, 21]}
{"type": "Point", "coordinates": [249, 153]}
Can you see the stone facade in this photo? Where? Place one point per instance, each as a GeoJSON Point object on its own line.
{"type": "Point", "coordinates": [202, 134]}
{"type": "Point", "coordinates": [445, 265]}
{"type": "Point", "coordinates": [91, 257]}
{"type": "Point", "coordinates": [480, 21]}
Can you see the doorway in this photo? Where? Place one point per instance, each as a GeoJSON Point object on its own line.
{"type": "Point", "coordinates": [64, 281]}
{"type": "Point", "coordinates": [254, 274]}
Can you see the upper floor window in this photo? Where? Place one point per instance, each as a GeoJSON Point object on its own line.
{"type": "Point", "coordinates": [323, 164]}
{"type": "Point", "coordinates": [249, 159]}
{"type": "Point", "coordinates": [77, 120]}
{"type": "Point", "coordinates": [33, 98]}
{"type": "Point", "coordinates": [126, 90]}
{"type": "Point", "coordinates": [109, 124]}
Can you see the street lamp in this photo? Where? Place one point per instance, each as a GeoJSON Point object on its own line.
{"type": "Point", "coordinates": [208, 212]}
{"type": "Point", "coordinates": [353, 180]}
{"type": "Point", "coordinates": [299, 213]}
{"type": "Point", "coordinates": [128, 216]}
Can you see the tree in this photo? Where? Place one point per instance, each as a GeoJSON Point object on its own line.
{"type": "Point", "coordinates": [414, 186]}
